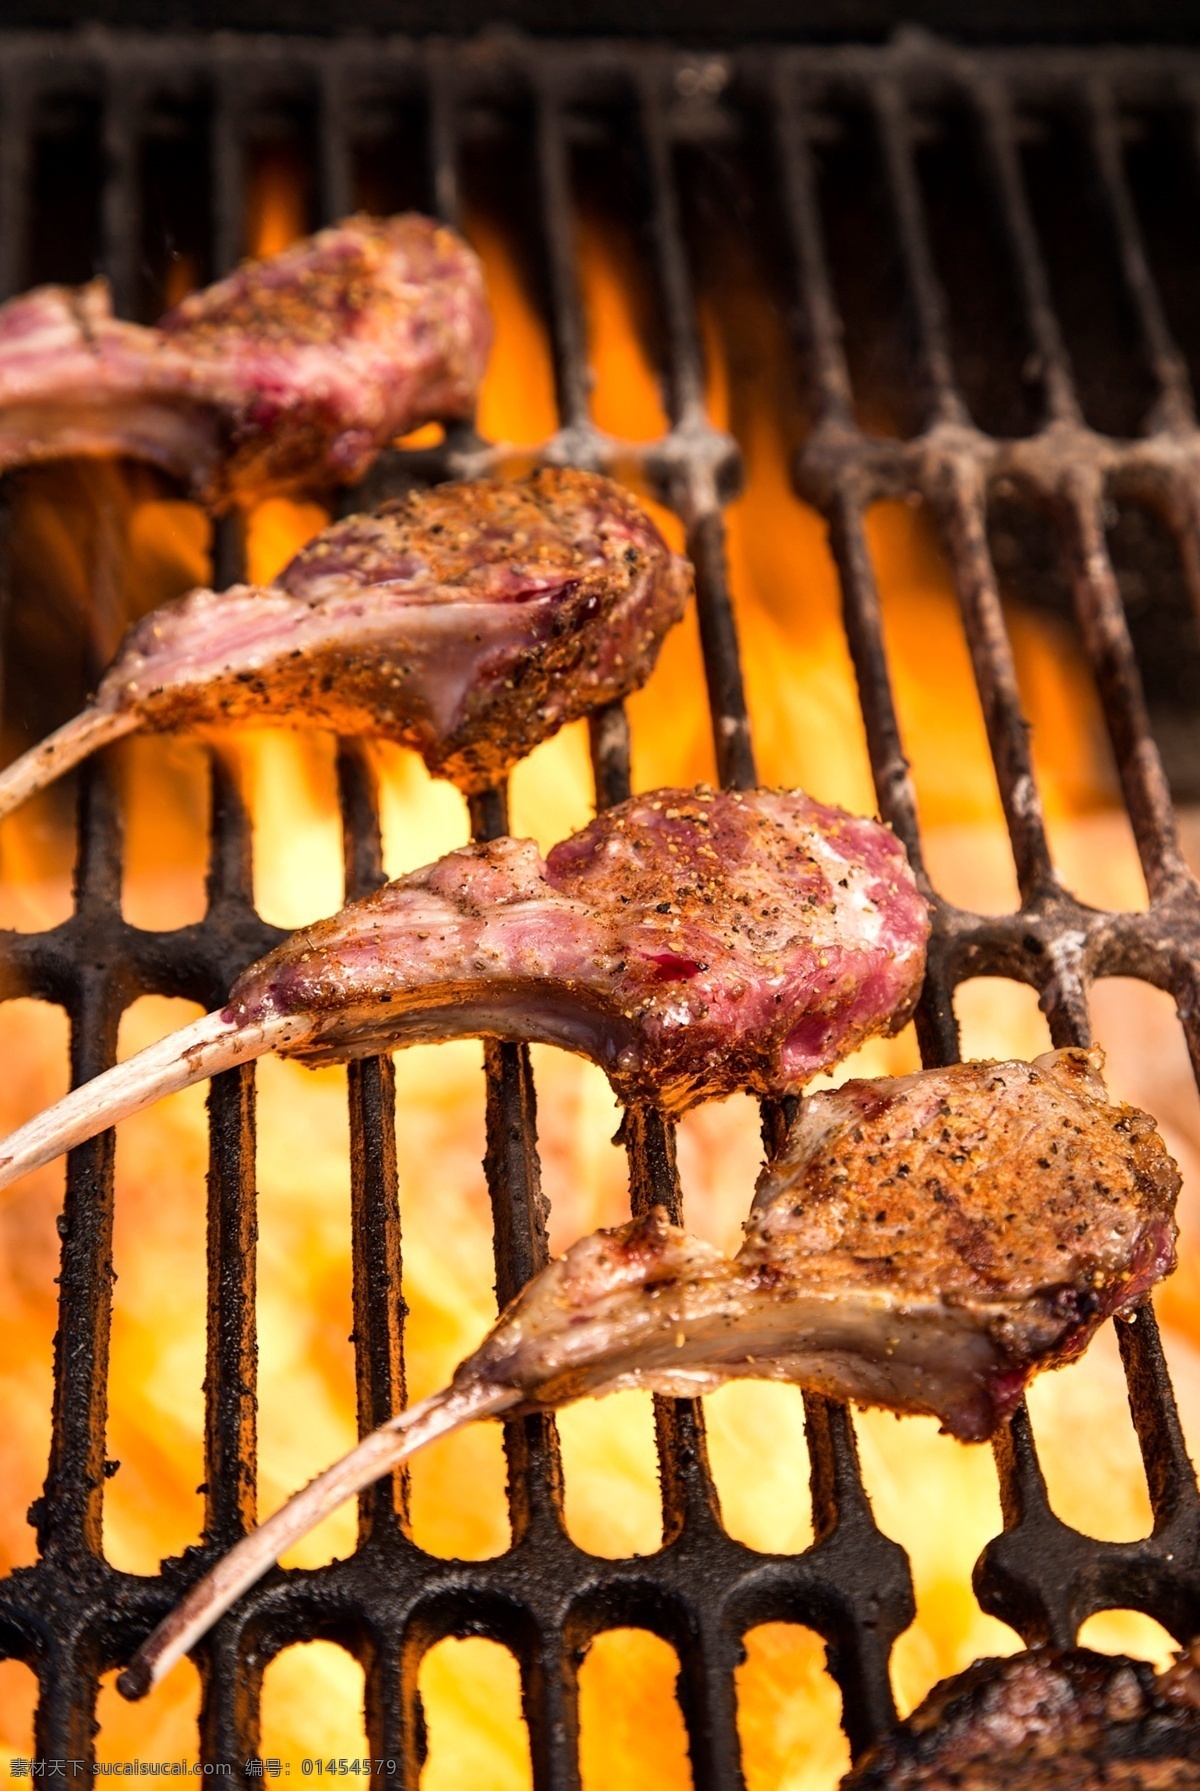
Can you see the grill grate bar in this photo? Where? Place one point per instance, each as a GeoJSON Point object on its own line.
{"type": "Point", "coordinates": [335, 161]}
{"type": "Point", "coordinates": [230, 1387]}
{"type": "Point", "coordinates": [16, 101]}
{"type": "Point", "coordinates": [830, 477]}
{"type": "Point", "coordinates": [71, 1510]}
{"type": "Point", "coordinates": [230, 1700]}
{"type": "Point", "coordinates": [519, 1213]}
{"type": "Point", "coordinates": [863, 618]}
{"type": "Point", "coordinates": [829, 375]}
{"type": "Point", "coordinates": [871, 1570]}
{"type": "Point", "coordinates": [121, 205]}
{"type": "Point", "coordinates": [229, 170]}
{"type": "Point", "coordinates": [1102, 623]}
{"type": "Point", "coordinates": [229, 1720]}
{"type": "Point", "coordinates": [69, 1513]}
{"type": "Point", "coordinates": [568, 333]}
{"type": "Point", "coordinates": [962, 516]}
{"type": "Point", "coordinates": [1053, 364]}
{"type": "Point", "coordinates": [1169, 1474]}
{"type": "Point", "coordinates": [374, 1186]}
{"type": "Point", "coordinates": [960, 502]}
{"type": "Point", "coordinates": [698, 465]}
{"type": "Point", "coordinates": [1045, 1578]}
{"type": "Point", "coordinates": [926, 300]}
{"type": "Point", "coordinates": [685, 364]}
{"type": "Point", "coordinates": [1029, 1574]}
{"type": "Point", "coordinates": [1174, 410]}
{"type": "Point", "coordinates": [230, 1408]}
{"type": "Point", "coordinates": [443, 108]}
{"type": "Point", "coordinates": [688, 1496]}
{"type": "Point", "coordinates": [1098, 603]}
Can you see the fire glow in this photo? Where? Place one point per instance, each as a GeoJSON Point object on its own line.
{"type": "Point", "coordinates": [937, 1497]}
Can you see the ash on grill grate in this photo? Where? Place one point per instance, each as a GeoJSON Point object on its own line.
{"type": "Point", "coordinates": [860, 165]}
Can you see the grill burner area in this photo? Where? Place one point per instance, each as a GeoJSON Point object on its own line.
{"type": "Point", "coordinates": [1020, 450]}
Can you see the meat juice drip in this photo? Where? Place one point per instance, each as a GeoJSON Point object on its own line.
{"type": "Point", "coordinates": [937, 1496]}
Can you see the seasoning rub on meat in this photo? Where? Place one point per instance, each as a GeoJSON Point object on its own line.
{"type": "Point", "coordinates": [691, 942]}
{"type": "Point", "coordinates": [924, 1243]}
{"type": "Point", "coordinates": [1055, 1719]}
{"type": "Point", "coordinates": [469, 622]}
{"type": "Point", "coordinates": [292, 372]}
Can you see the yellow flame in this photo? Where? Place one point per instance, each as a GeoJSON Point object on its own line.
{"type": "Point", "coordinates": [626, 399]}
{"type": "Point", "coordinates": [516, 398]}
{"type": "Point", "coordinates": [276, 199]}
{"type": "Point", "coordinates": [630, 1727]}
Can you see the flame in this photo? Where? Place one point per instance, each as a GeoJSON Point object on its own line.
{"type": "Point", "coordinates": [938, 1497]}
{"type": "Point", "coordinates": [277, 197]}
{"type": "Point", "coordinates": [516, 398]}
{"type": "Point", "coordinates": [183, 277]}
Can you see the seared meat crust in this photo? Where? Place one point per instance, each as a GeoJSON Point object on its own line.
{"type": "Point", "coordinates": [294, 371]}
{"type": "Point", "coordinates": [1014, 1179]}
{"type": "Point", "coordinates": [469, 622]}
{"type": "Point", "coordinates": [692, 942]}
{"type": "Point", "coordinates": [920, 1245]}
{"type": "Point", "coordinates": [1050, 1720]}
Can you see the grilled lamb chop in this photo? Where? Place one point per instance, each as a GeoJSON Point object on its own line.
{"type": "Point", "coordinates": [692, 943]}
{"type": "Point", "coordinates": [294, 371]}
{"type": "Point", "coordinates": [470, 622]}
{"type": "Point", "coordinates": [924, 1243]}
{"type": "Point", "coordinates": [1056, 1719]}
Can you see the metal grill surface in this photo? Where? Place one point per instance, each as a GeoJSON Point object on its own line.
{"type": "Point", "coordinates": [73, 1615]}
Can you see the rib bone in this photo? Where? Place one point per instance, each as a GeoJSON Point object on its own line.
{"type": "Point", "coordinates": [205, 1048]}
{"type": "Point", "coordinates": [61, 751]}
{"type": "Point", "coordinates": [377, 1454]}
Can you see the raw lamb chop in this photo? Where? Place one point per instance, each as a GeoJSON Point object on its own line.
{"type": "Point", "coordinates": [1056, 1719]}
{"type": "Point", "coordinates": [691, 942]}
{"type": "Point", "coordinates": [294, 371]}
{"type": "Point", "coordinates": [924, 1243]}
{"type": "Point", "coordinates": [469, 621]}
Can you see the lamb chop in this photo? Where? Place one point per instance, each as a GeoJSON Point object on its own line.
{"type": "Point", "coordinates": [691, 942]}
{"type": "Point", "coordinates": [1056, 1719]}
{"type": "Point", "coordinates": [924, 1243]}
{"type": "Point", "coordinates": [294, 371]}
{"type": "Point", "coordinates": [469, 621]}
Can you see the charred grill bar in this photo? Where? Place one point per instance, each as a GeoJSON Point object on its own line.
{"type": "Point", "coordinates": [72, 1615]}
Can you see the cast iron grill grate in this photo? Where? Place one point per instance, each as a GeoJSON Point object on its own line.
{"type": "Point", "coordinates": [72, 1615]}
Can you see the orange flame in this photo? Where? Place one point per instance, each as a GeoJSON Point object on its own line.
{"type": "Point", "coordinates": [938, 1497]}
